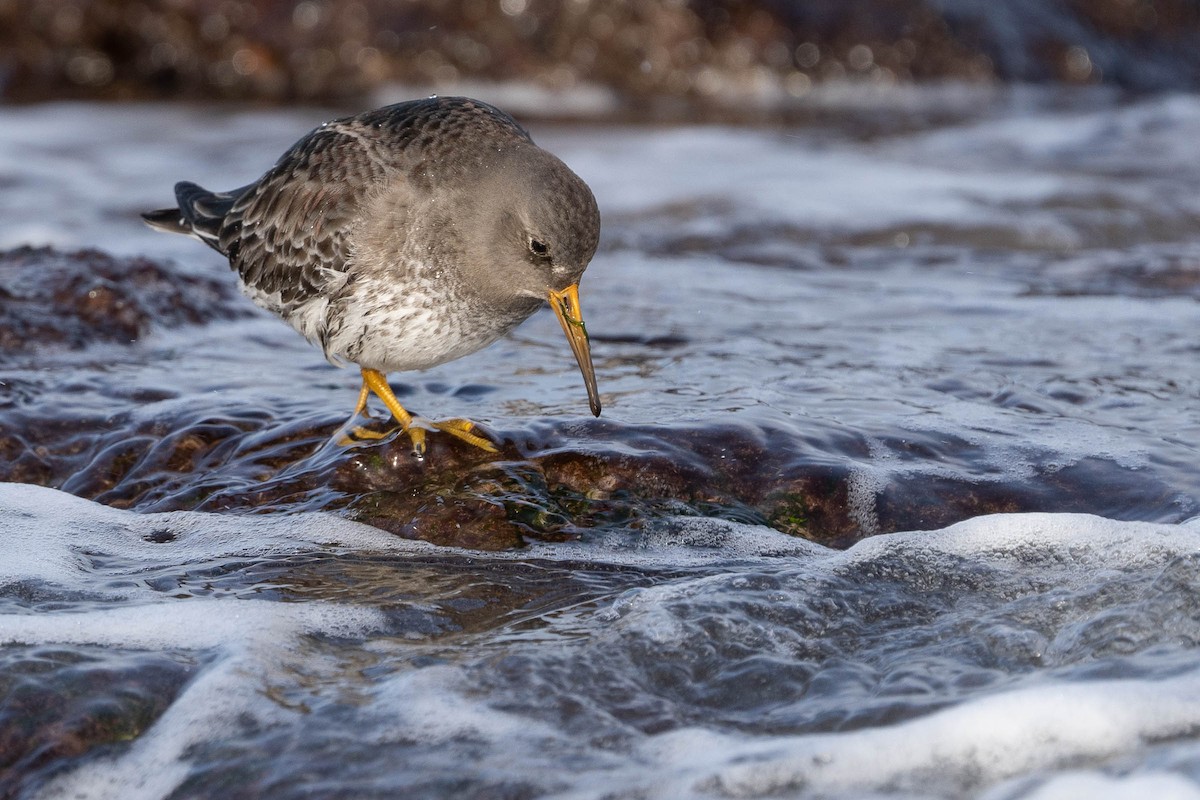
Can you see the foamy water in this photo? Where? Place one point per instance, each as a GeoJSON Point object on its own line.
{"type": "Point", "coordinates": [1013, 655]}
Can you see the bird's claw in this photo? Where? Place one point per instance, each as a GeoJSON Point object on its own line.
{"type": "Point", "coordinates": [465, 429]}
{"type": "Point", "coordinates": [459, 428]}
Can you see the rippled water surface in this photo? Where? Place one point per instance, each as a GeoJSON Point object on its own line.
{"type": "Point", "coordinates": [944, 303]}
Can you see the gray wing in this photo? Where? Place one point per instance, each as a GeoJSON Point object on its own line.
{"type": "Point", "coordinates": [288, 233]}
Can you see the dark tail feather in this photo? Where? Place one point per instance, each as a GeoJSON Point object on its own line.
{"type": "Point", "coordinates": [167, 219]}
{"type": "Point", "coordinates": [200, 213]}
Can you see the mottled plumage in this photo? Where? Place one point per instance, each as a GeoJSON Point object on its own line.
{"type": "Point", "coordinates": [405, 237]}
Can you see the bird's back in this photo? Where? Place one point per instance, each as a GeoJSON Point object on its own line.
{"type": "Point", "coordinates": [287, 233]}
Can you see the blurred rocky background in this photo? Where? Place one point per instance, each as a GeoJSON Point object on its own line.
{"type": "Point", "coordinates": [629, 53]}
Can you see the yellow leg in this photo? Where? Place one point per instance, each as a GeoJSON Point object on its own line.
{"type": "Point", "coordinates": [363, 394]}
{"type": "Point", "coordinates": [375, 381]}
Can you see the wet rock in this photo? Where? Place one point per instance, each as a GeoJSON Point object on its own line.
{"type": "Point", "coordinates": [73, 299]}
{"type": "Point", "coordinates": [59, 706]}
{"type": "Point", "coordinates": [552, 480]}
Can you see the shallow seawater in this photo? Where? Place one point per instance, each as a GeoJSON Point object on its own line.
{"type": "Point", "coordinates": [997, 308]}
{"type": "Point", "coordinates": [307, 656]}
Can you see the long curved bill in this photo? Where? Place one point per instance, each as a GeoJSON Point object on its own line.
{"type": "Point", "coordinates": [566, 308]}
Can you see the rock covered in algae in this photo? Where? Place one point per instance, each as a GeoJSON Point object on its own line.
{"type": "Point", "coordinates": [553, 479]}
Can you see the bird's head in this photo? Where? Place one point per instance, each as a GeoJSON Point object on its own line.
{"type": "Point", "coordinates": [539, 224]}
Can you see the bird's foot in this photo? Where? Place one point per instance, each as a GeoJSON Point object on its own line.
{"type": "Point", "coordinates": [375, 381]}
{"type": "Point", "coordinates": [459, 428]}
{"type": "Point", "coordinates": [361, 434]}
{"type": "Point", "coordinates": [466, 430]}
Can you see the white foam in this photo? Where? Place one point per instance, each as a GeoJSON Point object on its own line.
{"type": "Point", "coordinates": [973, 744]}
{"type": "Point", "coordinates": [1091, 540]}
{"type": "Point", "coordinates": [80, 546]}
{"type": "Point", "coordinates": [254, 649]}
{"type": "Point", "coordinates": [39, 546]}
{"type": "Point", "coordinates": [56, 537]}
{"type": "Point", "coordinates": [863, 487]}
{"type": "Point", "coordinates": [192, 624]}
{"type": "Point", "coordinates": [1095, 786]}
{"type": "Point", "coordinates": [222, 697]}
{"type": "Point", "coordinates": [435, 705]}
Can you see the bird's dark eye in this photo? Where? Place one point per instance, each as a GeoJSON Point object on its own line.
{"type": "Point", "coordinates": [538, 248]}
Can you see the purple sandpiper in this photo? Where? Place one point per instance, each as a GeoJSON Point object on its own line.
{"type": "Point", "coordinates": [406, 237]}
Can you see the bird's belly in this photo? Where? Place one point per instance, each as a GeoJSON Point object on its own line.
{"type": "Point", "coordinates": [407, 342]}
{"type": "Point", "coordinates": [391, 332]}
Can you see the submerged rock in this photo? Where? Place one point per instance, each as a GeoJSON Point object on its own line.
{"type": "Point", "coordinates": [553, 479]}
{"type": "Point", "coordinates": [60, 705]}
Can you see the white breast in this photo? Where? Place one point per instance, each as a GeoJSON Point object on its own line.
{"type": "Point", "coordinates": [391, 328]}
